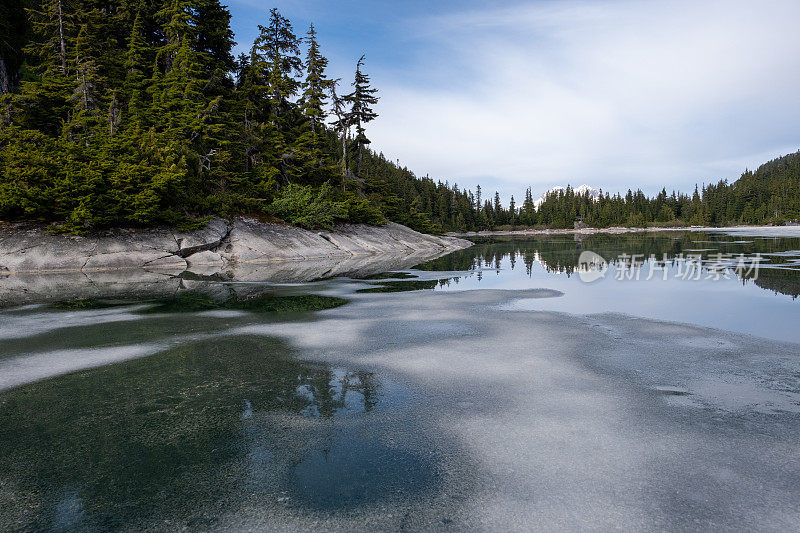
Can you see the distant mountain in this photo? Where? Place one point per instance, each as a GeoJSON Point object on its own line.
{"type": "Point", "coordinates": [777, 177]}
{"type": "Point", "coordinates": [583, 189]}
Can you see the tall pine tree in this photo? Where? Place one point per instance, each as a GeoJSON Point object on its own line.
{"type": "Point", "coordinates": [361, 101]}
{"type": "Point", "coordinates": [316, 165]}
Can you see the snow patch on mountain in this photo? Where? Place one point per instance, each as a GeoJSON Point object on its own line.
{"type": "Point", "coordinates": [583, 189]}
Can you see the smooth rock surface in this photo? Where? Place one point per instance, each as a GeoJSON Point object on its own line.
{"type": "Point", "coordinates": [26, 248]}
{"type": "Point", "coordinates": [36, 266]}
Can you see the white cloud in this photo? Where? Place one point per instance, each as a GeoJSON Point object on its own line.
{"type": "Point", "coordinates": [615, 94]}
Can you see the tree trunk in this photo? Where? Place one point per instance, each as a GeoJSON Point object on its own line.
{"type": "Point", "coordinates": [5, 82]}
{"type": "Point", "coordinates": [61, 38]}
{"type": "Point", "coordinates": [344, 160]}
{"type": "Point", "coordinates": [85, 94]}
{"type": "Point", "coordinates": [360, 149]}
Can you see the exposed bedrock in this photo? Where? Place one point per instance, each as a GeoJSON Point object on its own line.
{"type": "Point", "coordinates": [36, 265]}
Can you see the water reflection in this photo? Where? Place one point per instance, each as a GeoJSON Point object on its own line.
{"type": "Point", "coordinates": [405, 286]}
{"type": "Point", "coordinates": [737, 300]}
{"type": "Point", "coordinates": [192, 432]}
{"type": "Point", "coordinates": [779, 258]}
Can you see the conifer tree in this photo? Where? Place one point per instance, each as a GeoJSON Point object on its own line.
{"type": "Point", "coordinates": [49, 21]}
{"type": "Point", "coordinates": [86, 95]}
{"type": "Point", "coordinates": [361, 101]}
{"type": "Point", "coordinates": [274, 62]}
{"type": "Point", "coordinates": [252, 108]}
{"type": "Point", "coordinates": [526, 216]}
{"type": "Point", "coordinates": [13, 29]}
{"type": "Point", "coordinates": [277, 52]}
{"type": "Point", "coordinates": [85, 73]}
{"type": "Point", "coordinates": [179, 29]}
{"type": "Point", "coordinates": [214, 36]}
{"type": "Point", "coordinates": [316, 83]}
{"type": "Point", "coordinates": [310, 145]}
{"type": "Point", "coordinates": [134, 87]}
{"type": "Point", "coordinates": [181, 110]}
{"type": "Point", "coordinates": [45, 105]}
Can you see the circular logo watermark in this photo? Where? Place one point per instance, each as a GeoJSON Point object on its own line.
{"type": "Point", "coordinates": [591, 266]}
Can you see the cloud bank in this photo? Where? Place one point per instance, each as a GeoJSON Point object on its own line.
{"type": "Point", "coordinates": [614, 94]}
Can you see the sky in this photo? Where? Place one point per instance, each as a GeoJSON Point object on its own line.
{"type": "Point", "coordinates": [616, 94]}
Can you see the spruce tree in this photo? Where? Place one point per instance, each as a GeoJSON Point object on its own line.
{"type": "Point", "coordinates": [315, 164]}
{"type": "Point", "coordinates": [86, 92]}
{"type": "Point", "coordinates": [134, 87]}
{"type": "Point", "coordinates": [274, 62]}
{"type": "Point", "coordinates": [181, 110]}
{"type": "Point", "coordinates": [276, 51]}
{"type": "Point", "coordinates": [361, 101]}
{"type": "Point", "coordinates": [526, 216]}
{"type": "Point", "coordinates": [49, 21]}
{"type": "Point", "coordinates": [13, 29]}
{"type": "Point", "coordinates": [44, 105]}
{"type": "Point", "coordinates": [214, 36]}
{"type": "Point", "coordinates": [316, 83]}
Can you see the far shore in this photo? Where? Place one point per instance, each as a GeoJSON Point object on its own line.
{"type": "Point", "coordinates": [618, 230]}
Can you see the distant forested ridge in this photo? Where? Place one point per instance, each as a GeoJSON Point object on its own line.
{"type": "Point", "coordinates": [135, 112]}
{"type": "Point", "coordinates": [769, 195]}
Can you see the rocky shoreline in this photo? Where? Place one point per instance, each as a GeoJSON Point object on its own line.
{"type": "Point", "coordinates": [220, 246]}
{"type": "Point", "coordinates": [38, 267]}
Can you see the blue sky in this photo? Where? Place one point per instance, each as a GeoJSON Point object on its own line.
{"type": "Point", "coordinates": [615, 94]}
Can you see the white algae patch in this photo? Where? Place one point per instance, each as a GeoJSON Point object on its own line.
{"type": "Point", "coordinates": [14, 326]}
{"type": "Point", "coordinates": [24, 369]}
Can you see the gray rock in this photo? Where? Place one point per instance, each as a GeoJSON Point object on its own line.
{"type": "Point", "coordinates": [209, 237]}
{"type": "Point", "coordinates": [241, 248]}
{"type": "Point", "coordinates": [205, 258]}
{"type": "Point", "coordinates": [135, 259]}
{"type": "Point", "coordinates": [206, 263]}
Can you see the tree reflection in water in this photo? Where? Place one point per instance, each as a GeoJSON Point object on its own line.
{"type": "Point", "coordinates": [186, 432]}
{"type": "Point", "coordinates": [560, 254]}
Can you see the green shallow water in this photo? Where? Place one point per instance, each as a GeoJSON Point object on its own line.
{"type": "Point", "coordinates": [191, 429]}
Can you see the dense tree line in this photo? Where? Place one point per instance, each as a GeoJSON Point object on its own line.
{"type": "Point", "coordinates": [770, 195]}
{"type": "Point", "coordinates": [135, 112]}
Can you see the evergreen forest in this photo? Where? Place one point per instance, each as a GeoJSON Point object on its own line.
{"type": "Point", "coordinates": [136, 113]}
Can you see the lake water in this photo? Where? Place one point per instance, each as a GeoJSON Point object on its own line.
{"type": "Point", "coordinates": [504, 387]}
{"type": "Point", "coordinates": [698, 278]}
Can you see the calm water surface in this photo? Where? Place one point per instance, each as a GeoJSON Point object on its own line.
{"type": "Point", "coordinates": [170, 413]}
{"type": "Point", "coordinates": [694, 278]}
